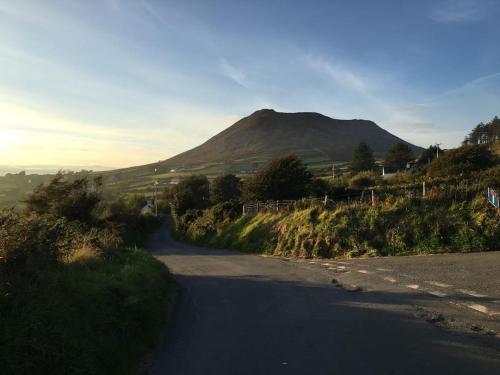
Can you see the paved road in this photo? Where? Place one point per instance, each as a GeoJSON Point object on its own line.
{"type": "Point", "coordinates": [247, 314]}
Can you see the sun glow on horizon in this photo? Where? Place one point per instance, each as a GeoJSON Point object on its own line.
{"type": "Point", "coordinates": [32, 135]}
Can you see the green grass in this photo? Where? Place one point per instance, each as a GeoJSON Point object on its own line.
{"type": "Point", "coordinates": [395, 227]}
{"type": "Point", "coordinates": [100, 316]}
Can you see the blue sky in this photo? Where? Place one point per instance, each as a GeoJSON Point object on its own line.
{"type": "Point", "coordinates": [118, 82]}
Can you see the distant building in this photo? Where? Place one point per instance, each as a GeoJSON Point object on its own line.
{"type": "Point", "coordinates": [148, 208]}
{"type": "Point", "coordinates": [175, 180]}
{"type": "Point", "coordinates": [391, 171]}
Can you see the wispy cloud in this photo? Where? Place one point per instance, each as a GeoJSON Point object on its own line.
{"type": "Point", "coordinates": [339, 73]}
{"type": "Point", "coordinates": [233, 73]}
{"type": "Point", "coordinates": [457, 11]}
{"type": "Point", "coordinates": [148, 8]}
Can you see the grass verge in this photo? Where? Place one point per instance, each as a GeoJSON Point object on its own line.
{"type": "Point", "coordinates": [91, 315]}
{"type": "Point", "coordinates": [394, 227]}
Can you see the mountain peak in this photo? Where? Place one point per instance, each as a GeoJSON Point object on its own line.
{"type": "Point", "coordinates": [266, 134]}
{"type": "Point", "coordinates": [265, 110]}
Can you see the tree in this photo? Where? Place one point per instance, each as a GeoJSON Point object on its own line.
{"type": "Point", "coordinates": [363, 159]}
{"type": "Point", "coordinates": [429, 155]}
{"type": "Point", "coordinates": [462, 161]}
{"type": "Point", "coordinates": [281, 178]}
{"type": "Point", "coordinates": [398, 155]}
{"type": "Point", "coordinates": [318, 187]}
{"type": "Point", "coordinates": [74, 200]}
{"type": "Point", "coordinates": [484, 133]}
{"type": "Point", "coordinates": [225, 188]}
{"type": "Point", "coordinates": [191, 193]}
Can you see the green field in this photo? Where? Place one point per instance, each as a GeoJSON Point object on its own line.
{"type": "Point", "coordinates": [14, 188]}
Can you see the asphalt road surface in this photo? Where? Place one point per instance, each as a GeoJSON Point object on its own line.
{"type": "Point", "coordinates": [248, 314]}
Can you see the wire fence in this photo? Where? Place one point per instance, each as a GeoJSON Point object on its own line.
{"type": "Point", "coordinates": [462, 191]}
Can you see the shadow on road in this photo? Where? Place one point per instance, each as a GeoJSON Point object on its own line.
{"type": "Point", "coordinates": [255, 325]}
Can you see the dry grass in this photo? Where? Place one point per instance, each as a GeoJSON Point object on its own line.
{"type": "Point", "coordinates": [84, 255]}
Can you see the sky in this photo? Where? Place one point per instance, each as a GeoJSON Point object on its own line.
{"type": "Point", "coordinates": [117, 83]}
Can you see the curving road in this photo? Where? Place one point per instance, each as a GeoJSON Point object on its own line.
{"type": "Point", "coordinates": [248, 314]}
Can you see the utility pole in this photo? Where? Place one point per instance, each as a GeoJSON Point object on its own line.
{"type": "Point", "coordinates": [156, 187]}
{"type": "Point", "coordinates": [437, 150]}
{"type": "Point", "coordinates": [333, 172]}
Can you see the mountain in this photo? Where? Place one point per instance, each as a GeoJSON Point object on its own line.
{"type": "Point", "coordinates": [266, 134]}
{"type": "Point", "coordinates": [252, 141]}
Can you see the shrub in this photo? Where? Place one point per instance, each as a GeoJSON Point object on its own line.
{"type": "Point", "coordinates": [191, 193]}
{"type": "Point", "coordinates": [363, 180]}
{"type": "Point", "coordinates": [70, 298]}
{"type": "Point", "coordinates": [397, 226]}
{"type": "Point", "coordinates": [30, 242]}
{"type": "Point", "coordinates": [319, 187]}
{"type": "Point", "coordinates": [282, 178]}
{"type": "Point", "coordinates": [363, 159]}
{"type": "Point", "coordinates": [225, 188]}
{"type": "Point", "coordinates": [74, 200]}
{"type": "Point", "coordinates": [398, 155]}
{"type": "Point", "coordinates": [429, 155]}
{"type": "Point", "coordinates": [99, 315]}
{"type": "Point", "coordinates": [200, 224]}
{"type": "Point", "coordinates": [462, 161]}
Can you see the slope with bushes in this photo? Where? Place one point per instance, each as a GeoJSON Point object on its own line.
{"type": "Point", "coordinates": [453, 216]}
{"type": "Point", "coordinates": [394, 227]}
{"type": "Point", "coordinates": [77, 295]}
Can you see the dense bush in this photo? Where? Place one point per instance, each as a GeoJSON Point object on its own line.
{"type": "Point", "coordinates": [71, 293]}
{"type": "Point", "coordinates": [462, 161]}
{"type": "Point", "coordinates": [282, 178]}
{"type": "Point", "coordinates": [199, 224]}
{"type": "Point", "coordinates": [363, 159]}
{"type": "Point", "coordinates": [193, 192]}
{"type": "Point", "coordinates": [225, 188]}
{"type": "Point", "coordinates": [123, 215]}
{"type": "Point", "coordinates": [398, 155]}
{"type": "Point", "coordinates": [74, 200]}
{"type": "Point", "coordinates": [100, 316]}
{"type": "Point", "coordinates": [33, 241]}
{"type": "Point", "coordinates": [363, 180]}
{"type": "Point", "coordinates": [429, 155]}
{"type": "Point", "coordinates": [319, 187]}
{"type": "Point", "coordinates": [397, 226]}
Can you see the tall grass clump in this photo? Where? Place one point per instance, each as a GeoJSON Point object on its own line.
{"type": "Point", "coordinates": [396, 226]}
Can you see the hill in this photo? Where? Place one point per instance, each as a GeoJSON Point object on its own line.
{"type": "Point", "coordinates": [252, 141]}
{"type": "Point", "coordinates": [266, 134]}
{"type": "Point", "coordinates": [241, 149]}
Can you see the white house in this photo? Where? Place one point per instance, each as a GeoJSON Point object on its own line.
{"type": "Point", "coordinates": [175, 180]}
{"type": "Point", "coordinates": [148, 208]}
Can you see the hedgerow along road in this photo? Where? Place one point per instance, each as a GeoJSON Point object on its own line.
{"type": "Point", "coordinates": [248, 314]}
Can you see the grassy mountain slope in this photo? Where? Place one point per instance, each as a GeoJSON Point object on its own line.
{"type": "Point", "coordinates": [252, 141]}
{"type": "Point", "coordinates": [309, 135]}
{"type": "Point", "coordinates": [242, 149]}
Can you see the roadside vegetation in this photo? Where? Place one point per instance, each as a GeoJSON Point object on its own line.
{"type": "Point", "coordinates": [366, 214]}
{"type": "Point", "coordinates": [78, 294]}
